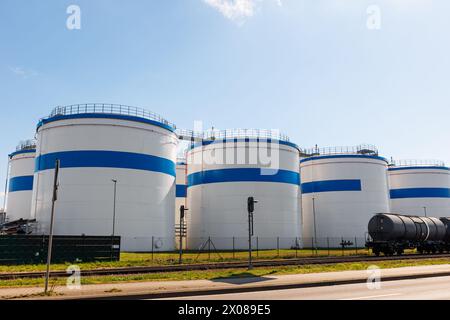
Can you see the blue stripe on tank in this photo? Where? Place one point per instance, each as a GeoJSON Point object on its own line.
{"type": "Point", "coordinates": [181, 191]}
{"type": "Point", "coordinates": [243, 175]}
{"type": "Point", "coordinates": [331, 186]}
{"type": "Point", "coordinates": [23, 183]}
{"type": "Point", "coordinates": [420, 193]}
{"type": "Point", "coordinates": [105, 159]}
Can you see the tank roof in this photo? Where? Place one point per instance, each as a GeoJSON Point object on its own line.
{"type": "Point", "coordinates": [417, 163]}
{"type": "Point", "coordinates": [106, 109]}
{"type": "Point", "coordinates": [26, 145]}
{"type": "Point", "coordinates": [363, 149]}
{"type": "Point", "coordinates": [245, 134]}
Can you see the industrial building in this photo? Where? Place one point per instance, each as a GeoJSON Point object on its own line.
{"type": "Point", "coordinates": [117, 174]}
{"type": "Point", "coordinates": [342, 188]}
{"type": "Point", "coordinates": [20, 181]}
{"type": "Point", "coordinates": [420, 188]}
{"type": "Point", "coordinates": [228, 167]}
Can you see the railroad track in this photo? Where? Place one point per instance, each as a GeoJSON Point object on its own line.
{"type": "Point", "coordinates": [222, 265]}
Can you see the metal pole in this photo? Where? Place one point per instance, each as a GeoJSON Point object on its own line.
{"type": "Point", "coordinates": [209, 248]}
{"type": "Point", "coordinates": [250, 265]}
{"type": "Point", "coordinates": [180, 259]}
{"type": "Point", "coordinates": [314, 215]}
{"type": "Point", "coordinates": [153, 245]}
{"type": "Point", "coordinates": [425, 210]}
{"type": "Point", "coordinates": [114, 217]}
{"type": "Point", "coordinates": [233, 249]}
{"type": "Point", "coordinates": [257, 246]}
{"type": "Point", "coordinates": [52, 222]}
{"type": "Point", "coordinates": [114, 207]}
{"type": "Point", "coordinates": [278, 246]}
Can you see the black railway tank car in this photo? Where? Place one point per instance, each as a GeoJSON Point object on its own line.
{"type": "Point", "coordinates": [393, 233]}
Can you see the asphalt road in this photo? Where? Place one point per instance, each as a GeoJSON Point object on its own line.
{"type": "Point", "coordinates": [417, 289]}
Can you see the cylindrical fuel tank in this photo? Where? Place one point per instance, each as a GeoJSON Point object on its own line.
{"type": "Point", "coordinates": [420, 188]}
{"type": "Point", "coordinates": [117, 174]}
{"type": "Point", "coordinates": [20, 184]}
{"type": "Point", "coordinates": [386, 227]}
{"type": "Point", "coordinates": [223, 172]}
{"type": "Point", "coordinates": [342, 188]}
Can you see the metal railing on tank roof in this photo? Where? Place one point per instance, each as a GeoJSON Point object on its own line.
{"type": "Point", "coordinates": [417, 163]}
{"type": "Point", "coordinates": [26, 145]}
{"type": "Point", "coordinates": [245, 134]}
{"type": "Point", "coordinates": [108, 108]}
{"type": "Point", "coordinates": [364, 149]}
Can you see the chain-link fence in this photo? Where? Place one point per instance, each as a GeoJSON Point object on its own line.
{"type": "Point", "coordinates": [160, 250]}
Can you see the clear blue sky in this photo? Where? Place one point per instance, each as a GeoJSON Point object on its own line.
{"type": "Point", "coordinates": [310, 68]}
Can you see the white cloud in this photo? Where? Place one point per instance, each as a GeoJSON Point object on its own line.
{"type": "Point", "coordinates": [22, 72]}
{"type": "Point", "coordinates": [236, 10]}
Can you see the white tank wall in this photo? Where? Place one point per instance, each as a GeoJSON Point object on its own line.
{"type": "Point", "coordinates": [21, 171]}
{"type": "Point", "coordinates": [145, 203]}
{"type": "Point", "coordinates": [219, 210]}
{"type": "Point", "coordinates": [342, 213]}
{"type": "Point", "coordinates": [414, 188]}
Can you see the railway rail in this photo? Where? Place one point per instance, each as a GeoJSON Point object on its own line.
{"type": "Point", "coordinates": [223, 265]}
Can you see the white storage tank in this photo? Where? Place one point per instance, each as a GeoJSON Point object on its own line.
{"type": "Point", "coordinates": [117, 174]}
{"type": "Point", "coordinates": [226, 169]}
{"type": "Point", "coordinates": [342, 188]}
{"type": "Point", "coordinates": [420, 187]}
{"type": "Point", "coordinates": [20, 181]}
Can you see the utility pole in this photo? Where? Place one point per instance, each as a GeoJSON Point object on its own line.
{"type": "Point", "coordinates": [250, 208]}
{"type": "Point", "coordinates": [425, 211]}
{"type": "Point", "coordinates": [52, 222]}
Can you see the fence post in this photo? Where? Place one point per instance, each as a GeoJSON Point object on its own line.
{"type": "Point", "coordinates": [356, 246]}
{"type": "Point", "coordinates": [296, 247]}
{"type": "Point", "coordinates": [209, 248]}
{"type": "Point", "coordinates": [153, 245]}
{"type": "Point", "coordinates": [312, 245]}
{"type": "Point", "coordinates": [257, 247]}
{"type": "Point", "coordinates": [328, 245]}
{"type": "Point", "coordinates": [233, 249]}
{"type": "Point", "coordinates": [278, 246]}
{"type": "Point", "coordinates": [342, 245]}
